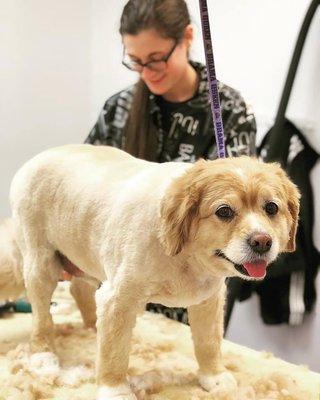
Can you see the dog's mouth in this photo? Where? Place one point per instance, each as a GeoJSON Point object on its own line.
{"type": "Point", "coordinates": [255, 269]}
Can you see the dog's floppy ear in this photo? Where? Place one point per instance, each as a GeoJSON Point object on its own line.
{"type": "Point", "coordinates": [294, 207]}
{"type": "Point", "coordinates": [179, 207]}
{"type": "Point", "coordinates": [293, 202]}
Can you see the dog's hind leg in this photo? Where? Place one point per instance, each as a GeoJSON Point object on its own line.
{"type": "Point", "coordinates": [84, 294]}
{"type": "Point", "coordinates": [41, 273]}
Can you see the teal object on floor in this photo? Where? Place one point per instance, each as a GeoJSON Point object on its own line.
{"type": "Point", "coordinates": [22, 306]}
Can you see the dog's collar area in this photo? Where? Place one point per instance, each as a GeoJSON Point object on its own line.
{"type": "Point", "coordinates": [238, 267]}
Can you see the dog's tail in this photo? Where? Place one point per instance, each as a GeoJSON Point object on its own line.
{"type": "Point", "coordinates": [11, 275]}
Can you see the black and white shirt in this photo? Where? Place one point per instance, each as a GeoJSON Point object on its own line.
{"type": "Point", "coordinates": [185, 130]}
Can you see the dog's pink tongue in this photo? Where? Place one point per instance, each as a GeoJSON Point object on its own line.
{"type": "Point", "coordinates": [256, 269]}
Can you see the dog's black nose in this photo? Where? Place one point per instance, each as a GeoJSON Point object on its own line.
{"type": "Point", "coordinates": [260, 242]}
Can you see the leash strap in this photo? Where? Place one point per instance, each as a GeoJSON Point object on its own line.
{"type": "Point", "coordinates": [212, 79]}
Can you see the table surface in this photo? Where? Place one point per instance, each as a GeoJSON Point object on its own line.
{"type": "Point", "coordinates": [162, 363]}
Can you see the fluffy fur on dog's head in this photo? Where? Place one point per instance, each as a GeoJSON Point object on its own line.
{"type": "Point", "coordinates": [216, 207]}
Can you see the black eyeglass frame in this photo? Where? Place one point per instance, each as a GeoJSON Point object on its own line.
{"type": "Point", "coordinates": [139, 66]}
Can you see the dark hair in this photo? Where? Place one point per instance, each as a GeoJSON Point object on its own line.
{"type": "Point", "coordinates": [169, 18]}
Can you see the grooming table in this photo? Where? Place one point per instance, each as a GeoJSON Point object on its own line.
{"type": "Point", "coordinates": [162, 364]}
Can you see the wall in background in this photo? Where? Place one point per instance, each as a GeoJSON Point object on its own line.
{"type": "Point", "coordinates": [45, 80]}
{"type": "Point", "coordinates": [61, 60]}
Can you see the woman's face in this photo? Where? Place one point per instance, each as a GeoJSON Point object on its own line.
{"type": "Point", "coordinates": [149, 45]}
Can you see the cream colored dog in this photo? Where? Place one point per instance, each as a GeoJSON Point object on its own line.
{"type": "Point", "coordinates": [165, 233]}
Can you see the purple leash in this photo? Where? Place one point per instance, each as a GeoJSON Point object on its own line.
{"type": "Point", "coordinates": [212, 79]}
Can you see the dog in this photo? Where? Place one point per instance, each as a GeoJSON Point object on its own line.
{"type": "Point", "coordinates": [165, 233]}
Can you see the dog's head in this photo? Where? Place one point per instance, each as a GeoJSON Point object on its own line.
{"type": "Point", "coordinates": [231, 216]}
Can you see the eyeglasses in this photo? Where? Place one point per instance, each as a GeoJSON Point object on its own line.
{"type": "Point", "coordinates": [156, 65]}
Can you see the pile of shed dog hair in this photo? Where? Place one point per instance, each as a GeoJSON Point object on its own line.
{"type": "Point", "coordinates": [162, 364]}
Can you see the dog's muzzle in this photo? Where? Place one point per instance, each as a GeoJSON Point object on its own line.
{"type": "Point", "coordinates": [254, 269]}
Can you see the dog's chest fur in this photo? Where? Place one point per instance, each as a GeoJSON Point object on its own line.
{"type": "Point", "coordinates": [187, 290]}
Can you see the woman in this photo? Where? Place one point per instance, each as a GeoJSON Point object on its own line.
{"type": "Point", "coordinates": [166, 116]}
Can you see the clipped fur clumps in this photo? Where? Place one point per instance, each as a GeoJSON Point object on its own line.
{"type": "Point", "coordinates": [162, 367]}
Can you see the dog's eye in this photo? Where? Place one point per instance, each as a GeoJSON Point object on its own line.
{"type": "Point", "coordinates": [225, 212]}
{"type": "Point", "coordinates": [271, 208]}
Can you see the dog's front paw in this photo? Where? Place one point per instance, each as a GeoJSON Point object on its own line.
{"type": "Point", "coordinates": [120, 392]}
{"type": "Point", "coordinates": [45, 363]}
{"type": "Point", "coordinates": [222, 383]}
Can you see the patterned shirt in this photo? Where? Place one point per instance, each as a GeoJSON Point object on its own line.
{"type": "Point", "coordinates": [184, 130]}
